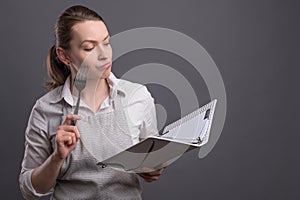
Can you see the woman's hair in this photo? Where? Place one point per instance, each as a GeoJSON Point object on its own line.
{"type": "Point", "coordinates": [57, 70]}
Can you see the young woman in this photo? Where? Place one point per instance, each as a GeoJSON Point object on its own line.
{"type": "Point", "coordinates": [60, 157]}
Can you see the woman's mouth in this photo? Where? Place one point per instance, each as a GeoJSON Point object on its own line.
{"type": "Point", "coordinates": [104, 67]}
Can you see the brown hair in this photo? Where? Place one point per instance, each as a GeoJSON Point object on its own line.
{"type": "Point", "coordinates": [57, 70]}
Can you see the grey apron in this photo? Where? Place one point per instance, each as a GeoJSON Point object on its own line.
{"type": "Point", "coordinates": [101, 136]}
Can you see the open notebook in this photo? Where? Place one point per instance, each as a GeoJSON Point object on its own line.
{"type": "Point", "coordinates": [155, 152]}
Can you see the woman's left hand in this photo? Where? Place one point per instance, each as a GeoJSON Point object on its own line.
{"type": "Point", "coordinates": [151, 176]}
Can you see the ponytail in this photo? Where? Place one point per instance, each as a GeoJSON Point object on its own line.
{"type": "Point", "coordinates": [57, 70]}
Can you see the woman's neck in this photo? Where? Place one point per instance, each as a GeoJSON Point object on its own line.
{"type": "Point", "coordinates": [95, 93]}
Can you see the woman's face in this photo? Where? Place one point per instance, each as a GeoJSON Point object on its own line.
{"type": "Point", "coordinates": [90, 48]}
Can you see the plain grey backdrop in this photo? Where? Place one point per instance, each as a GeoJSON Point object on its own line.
{"type": "Point", "coordinates": [255, 45]}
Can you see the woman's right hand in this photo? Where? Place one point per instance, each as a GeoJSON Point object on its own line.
{"type": "Point", "coordinates": [66, 137]}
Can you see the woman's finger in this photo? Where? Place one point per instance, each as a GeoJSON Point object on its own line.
{"type": "Point", "coordinates": [70, 118]}
{"type": "Point", "coordinates": [148, 178]}
{"type": "Point", "coordinates": [155, 173]}
{"type": "Point", "coordinates": [68, 138]}
{"type": "Point", "coordinates": [146, 175]}
{"type": "Point", "coordinates": [70, 129]}
{"type": "Point", "coordinates": [64, 139]}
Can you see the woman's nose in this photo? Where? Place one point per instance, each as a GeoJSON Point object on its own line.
{"type": "Point", "coordinates": [102, 53]}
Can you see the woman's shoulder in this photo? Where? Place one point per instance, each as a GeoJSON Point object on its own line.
{"type": "Point", "coordinates": [49, 100]}
{"type": "Point", "coordinates": [52, 96]}
{"type": "Point", "coordinates": [45, 110]}
{"type": "Point", "coordinates": [128, 85]}
{"type": "Point", "coordinates": [134, 90]}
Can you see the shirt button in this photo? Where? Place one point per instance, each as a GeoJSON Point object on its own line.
{"type": "Point", "coordinates": [103, 165]}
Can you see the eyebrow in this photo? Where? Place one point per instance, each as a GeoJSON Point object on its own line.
{"type": "Point", "coordinates": [94, 41]}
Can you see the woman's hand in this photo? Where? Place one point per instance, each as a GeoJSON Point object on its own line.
{"type": "Point", "coordinates": [44, 176]}
{"type": "Point", "coordinates": [66, 137]}
{"type": "Point", "coordinates": [151, 176]}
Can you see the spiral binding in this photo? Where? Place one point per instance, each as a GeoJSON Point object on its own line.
{"type": "Point", "coordinates": [190, 116]}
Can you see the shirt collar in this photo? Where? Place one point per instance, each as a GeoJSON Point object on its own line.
{"type": "Point", "coordinates": [115, 89]}
{"type": "Point", "coordinates": [66, 94]}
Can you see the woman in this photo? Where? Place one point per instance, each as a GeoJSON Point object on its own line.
{"type": "Point", "coordinates": [59, 158]}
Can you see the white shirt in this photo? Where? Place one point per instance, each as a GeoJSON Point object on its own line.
{"type": "Point", "coordinates": [47, 115]}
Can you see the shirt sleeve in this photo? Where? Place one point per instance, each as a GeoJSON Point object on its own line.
{"type": "Point", "coordinates": [37, 150]}
{"type": "Point", "coordinates": [149, 121]}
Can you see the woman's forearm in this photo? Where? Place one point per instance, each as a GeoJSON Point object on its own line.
{"type": "Point", "coordinates": [44, 176]}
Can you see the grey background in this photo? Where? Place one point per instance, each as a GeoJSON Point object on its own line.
{"type": "Point", "coordinates": [255, 45]}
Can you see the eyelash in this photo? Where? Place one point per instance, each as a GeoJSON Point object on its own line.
{"type": "Point", "coordinates": [90, 49]}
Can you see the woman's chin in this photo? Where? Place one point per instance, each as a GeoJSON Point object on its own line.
{"type": "Point", "coordinates": [100, 74]}
{"type": "Point", "coordinates": [106, 74]}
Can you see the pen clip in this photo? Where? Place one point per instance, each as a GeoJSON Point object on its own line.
{"type": "Point", "coordinates": [164, 133]}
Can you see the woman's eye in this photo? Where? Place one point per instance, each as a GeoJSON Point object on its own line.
{"type": "Point", "coordinates": [88, 49]}
{"type": "Point", "coordinates": [107, 43]}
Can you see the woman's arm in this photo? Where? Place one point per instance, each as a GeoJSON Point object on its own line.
{"type": "Point", "coordinates": [148, 128]}
{"type": "Point", "coordinates": [44, 176]}
{"type": "Point", "coordinates": [41, 163]}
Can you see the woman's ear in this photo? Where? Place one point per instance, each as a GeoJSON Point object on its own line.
{"type": "Point", "coordinates": [63, 56]}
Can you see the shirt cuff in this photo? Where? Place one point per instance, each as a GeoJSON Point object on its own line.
{"type": "Point", "coordinates": [28, 185]}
